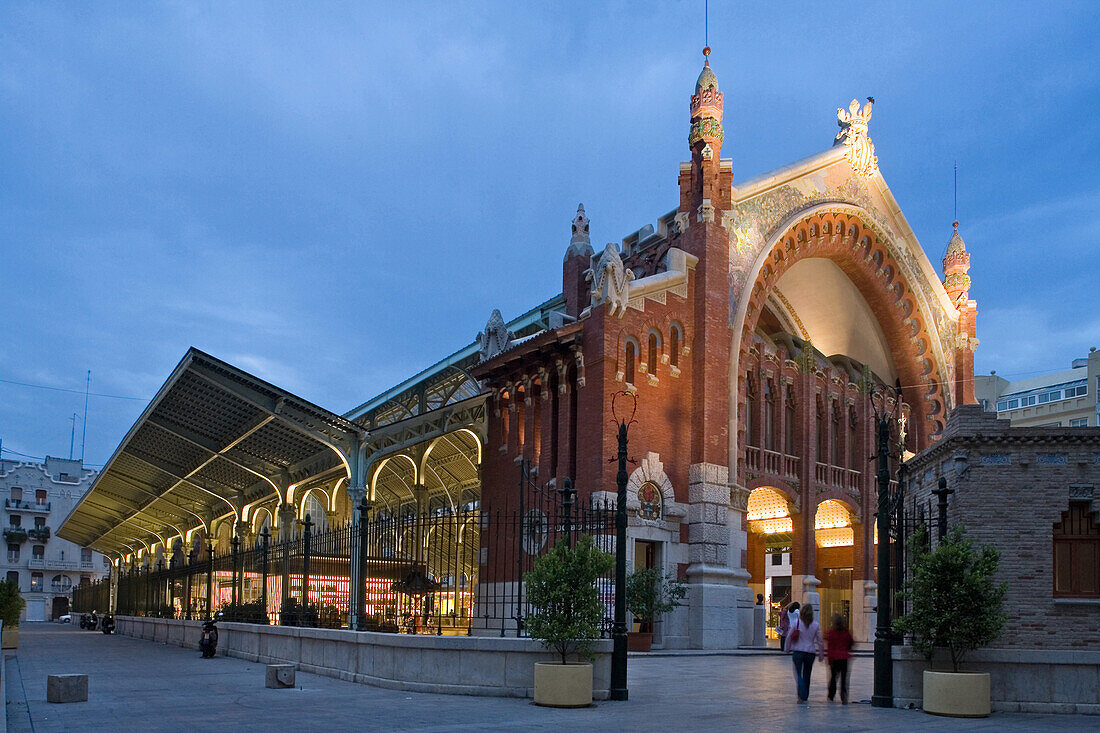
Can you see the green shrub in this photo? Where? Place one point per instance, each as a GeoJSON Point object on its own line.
{"type": "Point", "coordinates": [955, 603]}
{"type": "Point", "coordinates": [651, 592]}
{"type": "Point", "coordinates": [11, 604]}
{"type": "Point", "coordinates": [561, 588]}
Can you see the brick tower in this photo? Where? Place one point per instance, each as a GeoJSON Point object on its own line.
{"type": "Point", "coordinates": [719, 598]}
{"type": "Point", "coordinates": [956, 281]}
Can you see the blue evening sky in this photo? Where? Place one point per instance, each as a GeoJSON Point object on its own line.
{"type": "Point", "coordinates": [335, 195]}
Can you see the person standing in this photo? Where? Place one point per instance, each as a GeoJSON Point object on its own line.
{"type": "Point", "coordinates": [788, 615]}
{"type": "Point", "coordinates": [804, 642]}
{"type": "Point", "coordinates": [838, 643]}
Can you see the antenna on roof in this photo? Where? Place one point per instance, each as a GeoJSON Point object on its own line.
{"type": "Point", "coordinates": [84, 425]}
{"type": "Point", "coordinates": [956, 217]}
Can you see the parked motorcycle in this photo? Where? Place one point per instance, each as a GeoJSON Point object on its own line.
{"type": "Point", "coordinates": [93, 622]}
{"type": "Point", "coordinates": [208, 644]}
{"type": "Point", "coordinates": [87, 621]}
{"type": "Point", "coordinates": [107, 624]}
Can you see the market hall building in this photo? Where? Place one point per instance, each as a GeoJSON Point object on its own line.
{"type": "Point", "coordinates": [761, 325]}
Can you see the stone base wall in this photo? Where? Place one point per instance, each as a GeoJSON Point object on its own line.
{"type": "Point", "coordinates": [1021, 680]}
{"type": "Point", "coordinates": [457, 665]}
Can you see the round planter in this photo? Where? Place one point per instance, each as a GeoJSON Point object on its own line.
{"type": "Point", "coordinates": [639, 641]}
{"type": "Point", "coordinates": [563, 685]}
{"type": "Point", "coordinates": [956, 694]}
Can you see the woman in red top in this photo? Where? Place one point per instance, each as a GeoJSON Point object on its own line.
{"type": "Point", "coordinates": [838, 646]}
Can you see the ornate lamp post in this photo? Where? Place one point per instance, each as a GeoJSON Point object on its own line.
{"type": "Point", "coordinates": [618, 689]}
{"type": "Point", "coordinates": [883, 696]}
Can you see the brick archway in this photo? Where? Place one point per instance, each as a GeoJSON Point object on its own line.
{"type": "Point", "coordinates": [846, 240]}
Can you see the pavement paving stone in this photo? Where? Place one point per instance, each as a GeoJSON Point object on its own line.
{"type": "Point", "coordinates": [136, 685]}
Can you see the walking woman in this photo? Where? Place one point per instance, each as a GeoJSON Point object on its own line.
{"type": "Point", "coordinates": [838, 640]}
{"type": "Point", "coordinates": [804, 642]}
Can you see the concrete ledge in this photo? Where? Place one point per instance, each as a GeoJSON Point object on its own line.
{"type": "Point", "coordinates": [279, 676]}
{"type": "Point", "coordinates": [456, 665]}
{"type": "Point", "coordinates": [63, 688]}
{"type": "Point", "coordinates": [1021, 680]}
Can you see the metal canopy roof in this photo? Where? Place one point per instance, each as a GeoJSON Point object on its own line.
{"type": "Point", "coordinates": [213, 439]}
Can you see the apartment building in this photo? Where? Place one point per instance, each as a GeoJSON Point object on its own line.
{"type": "Point", "coordinates": [1064, 399]}
{"type": "Point", "coordinates": [37, 498]}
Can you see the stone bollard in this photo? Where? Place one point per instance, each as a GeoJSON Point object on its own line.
{"type": "Point", "coordinates": [280, 676]}
{"type": "Point", "coordinates": [67, 688]}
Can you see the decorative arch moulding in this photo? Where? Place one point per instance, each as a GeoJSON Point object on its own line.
{"type": "Point", "coordinates": [842, 237]}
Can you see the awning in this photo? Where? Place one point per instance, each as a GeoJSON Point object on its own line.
{"type": "Point", "coordinates": [213, 440]}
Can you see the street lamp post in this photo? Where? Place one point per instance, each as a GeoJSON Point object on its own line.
{"type": "Point", "coordinates": [619, 689]}
{"type": "Point", "coordinates": [883, 696]}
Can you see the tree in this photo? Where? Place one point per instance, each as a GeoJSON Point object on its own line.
{"type": "Point", "coordinates": [651, 592]}
{"type": "Point", "coordinates": [955, 603]}
{"type": "Point", "coordinates": [11, 604]}
{"type": "Point", "coordinates": [561, 588]}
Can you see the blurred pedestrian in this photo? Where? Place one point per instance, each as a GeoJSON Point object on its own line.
{"type": "Point", "coordinates": [838, 643]}
{"type": "Point", "coordinates": [804, 642]}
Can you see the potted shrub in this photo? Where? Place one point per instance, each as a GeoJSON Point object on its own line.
{"type": "Point", "coordinates": [955, 606]}
{"type": "Point", "coordinates": [650, 592]}
{"type": "Point", "coordinates": [566, 616]}
{"type": "Point", "coordinates": [11, 608]}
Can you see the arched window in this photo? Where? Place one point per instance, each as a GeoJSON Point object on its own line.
{"type": "Point", "coordinates": [789, 418]}
{"type": "Point", "coordinates": [651, 356]}
{"type": "Point", "coordinates": [853, 439]}
{"type": "Point", "coordinates": [1077, 553]}
{"type": "Point", "coordinates": [835, 447]}
{"type": "Point", "coordinates": [822, 436]}
{"type": "Point", "coordinates": [62, 583]}
{"type": "Point", "coordinates": [769, 415]}
{"type": "Point", "coordinates": [674, 339]}
{"type": "Point", "coordinates": [631, 358]}
{"type": "Point", "coordinates": [751, 433]}
{"type": "Point", "coordinates": [316, 511]}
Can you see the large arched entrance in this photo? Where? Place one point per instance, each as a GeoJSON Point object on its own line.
{"type": "Point", "coordinates": [832, 331]}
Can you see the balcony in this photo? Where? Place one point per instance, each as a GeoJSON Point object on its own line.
{"type": "Point", "coordinates": [26, 506]}
{"type": "Point", "coordinates": [39, 533]}
{"type": "Point", "coordinates": [15, 534]}
{"type": "Point", "coordinates": [46, 564]}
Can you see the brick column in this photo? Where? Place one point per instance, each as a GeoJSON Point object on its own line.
{"type": "Point", "coordinates": [804, 581]}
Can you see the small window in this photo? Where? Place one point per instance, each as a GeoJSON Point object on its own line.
{"type": "Point", "coordinates": [13, 552]}
{"type": "Point", "coordinates": [39, 521]}
{"type": "Point", "coordinates": [1077, 554]}
{"type": "Point", "coordinates": [38, 552]}
{"type": "Point", "coordinates": [13, 576]}
{"type": "Point", "coordinates": [777, 558]}
{"type": "Point", "coordinates": [15, 520]}
{"type": "Point", "coordinates": [1079, 423]}
{"type": "Point", "coordinates": [16, 494]}
{"type": "Point", "coordinates": [40, 497]}
{"type": "Point", "coordinates": [1027, 401]}
{"type": "Point", "coordinates": [36, 581]}
{"type": "Point", "coordinates": [651, 357]}
{"type": "Point", "coordinates": [62, 583]}
{"type": "Point", "coordinates": [85, 555]}
{"type": "Point", "coordinates": [631, 356]}
{"type": "Point", "coordinates": [674, 345]}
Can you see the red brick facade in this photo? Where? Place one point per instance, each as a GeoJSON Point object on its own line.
{"type": "Point", "coordinates": [551, 393]}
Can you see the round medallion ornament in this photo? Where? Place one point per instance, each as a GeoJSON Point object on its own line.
{"type": "Point", "coordinates": [649, 501]}
{"type": "Point", "coordinates": [534, 532]}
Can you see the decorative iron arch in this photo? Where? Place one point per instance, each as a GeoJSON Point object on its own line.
{"type": "Point", "coordinates": [841, 234]}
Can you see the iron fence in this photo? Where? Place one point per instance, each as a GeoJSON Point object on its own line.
{"type": "Point", "coordinates": [437, 572]}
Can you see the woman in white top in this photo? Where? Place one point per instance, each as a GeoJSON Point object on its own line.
{"type": "Point", "coordinates": [804, 643]}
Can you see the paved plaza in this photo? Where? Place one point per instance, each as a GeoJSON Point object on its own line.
{"type": "Point", "coordinates": [145, 686]}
